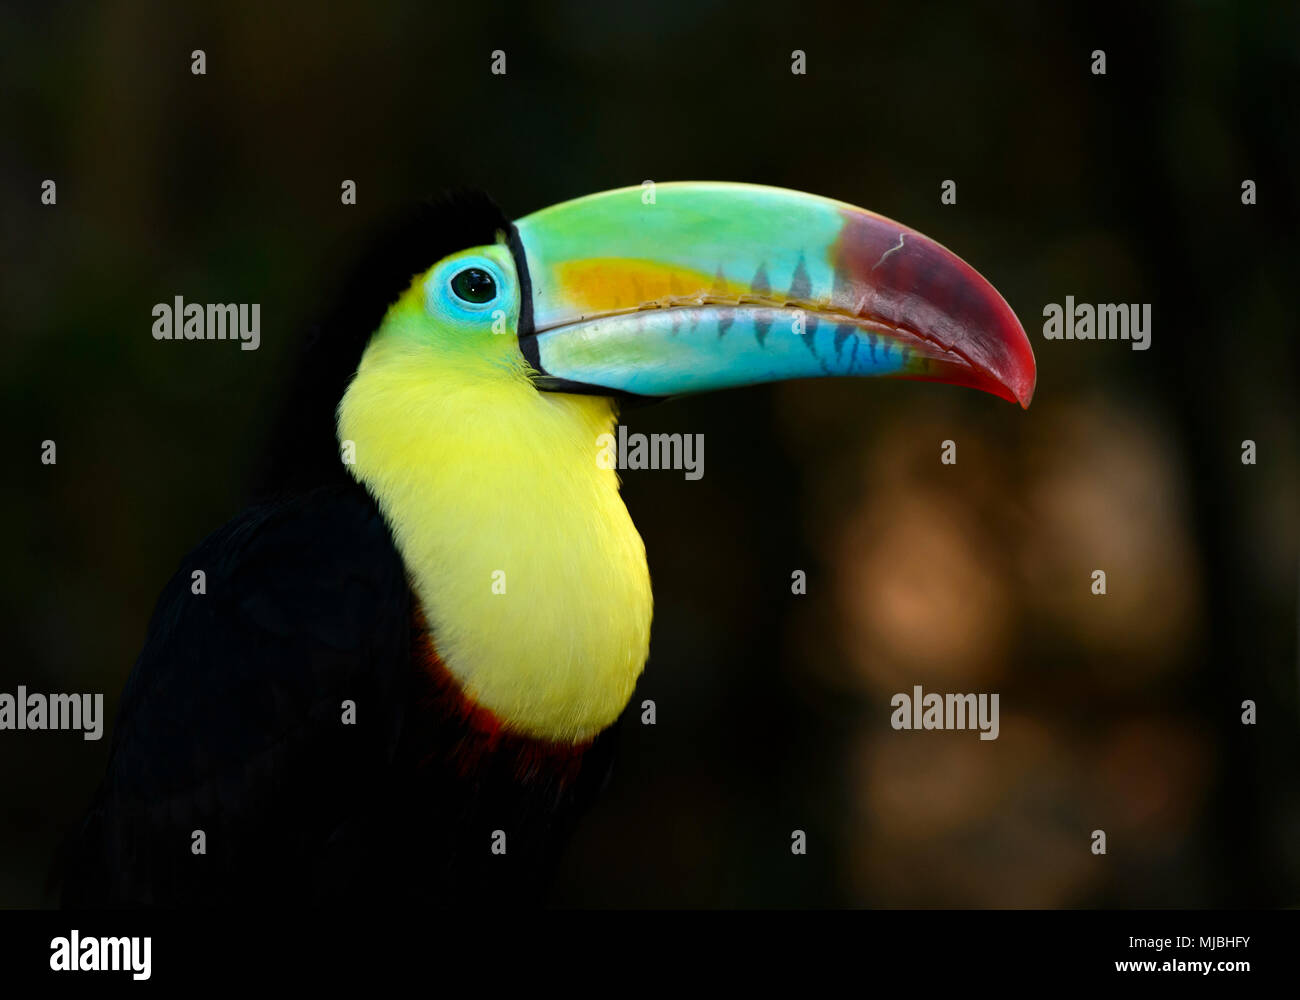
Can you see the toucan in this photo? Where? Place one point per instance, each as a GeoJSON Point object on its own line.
{"type": "Point", "coordinates": [400, 676]}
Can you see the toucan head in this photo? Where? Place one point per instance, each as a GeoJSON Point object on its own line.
{"type": "Point", "coordinates": [496, 365]}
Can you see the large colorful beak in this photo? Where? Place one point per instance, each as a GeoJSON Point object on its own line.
{"type": "Point", "coordinates": [691, 287]}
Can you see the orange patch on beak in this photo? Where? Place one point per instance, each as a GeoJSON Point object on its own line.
{"type": "Point", "coordinates": [613, 284]}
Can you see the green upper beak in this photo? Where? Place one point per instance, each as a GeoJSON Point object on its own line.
{"type": "Point", "coordinates": [690, 287]}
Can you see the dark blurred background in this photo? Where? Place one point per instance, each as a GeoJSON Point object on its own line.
{"type": "Point", "coordinates": [1119, 713]}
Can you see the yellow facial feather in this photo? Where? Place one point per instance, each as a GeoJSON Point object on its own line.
{"type": "Point", "coordinates": [531, 574]}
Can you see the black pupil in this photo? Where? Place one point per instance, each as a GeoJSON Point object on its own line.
{"type": "Point", "coordinates": [474, 285]}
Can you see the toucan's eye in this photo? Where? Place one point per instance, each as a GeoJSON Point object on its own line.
{"type": "Point", "coordinates": [474, 285]}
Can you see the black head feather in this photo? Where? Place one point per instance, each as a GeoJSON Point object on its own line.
{"type": "Point", "coordinates": [303, 451]}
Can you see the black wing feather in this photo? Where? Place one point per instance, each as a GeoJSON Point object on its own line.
{"type": "Point", "coordinates": [231, 722]}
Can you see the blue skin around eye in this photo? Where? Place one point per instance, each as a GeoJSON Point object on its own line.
{"type": "Point", "coordinates": [440, 299]}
